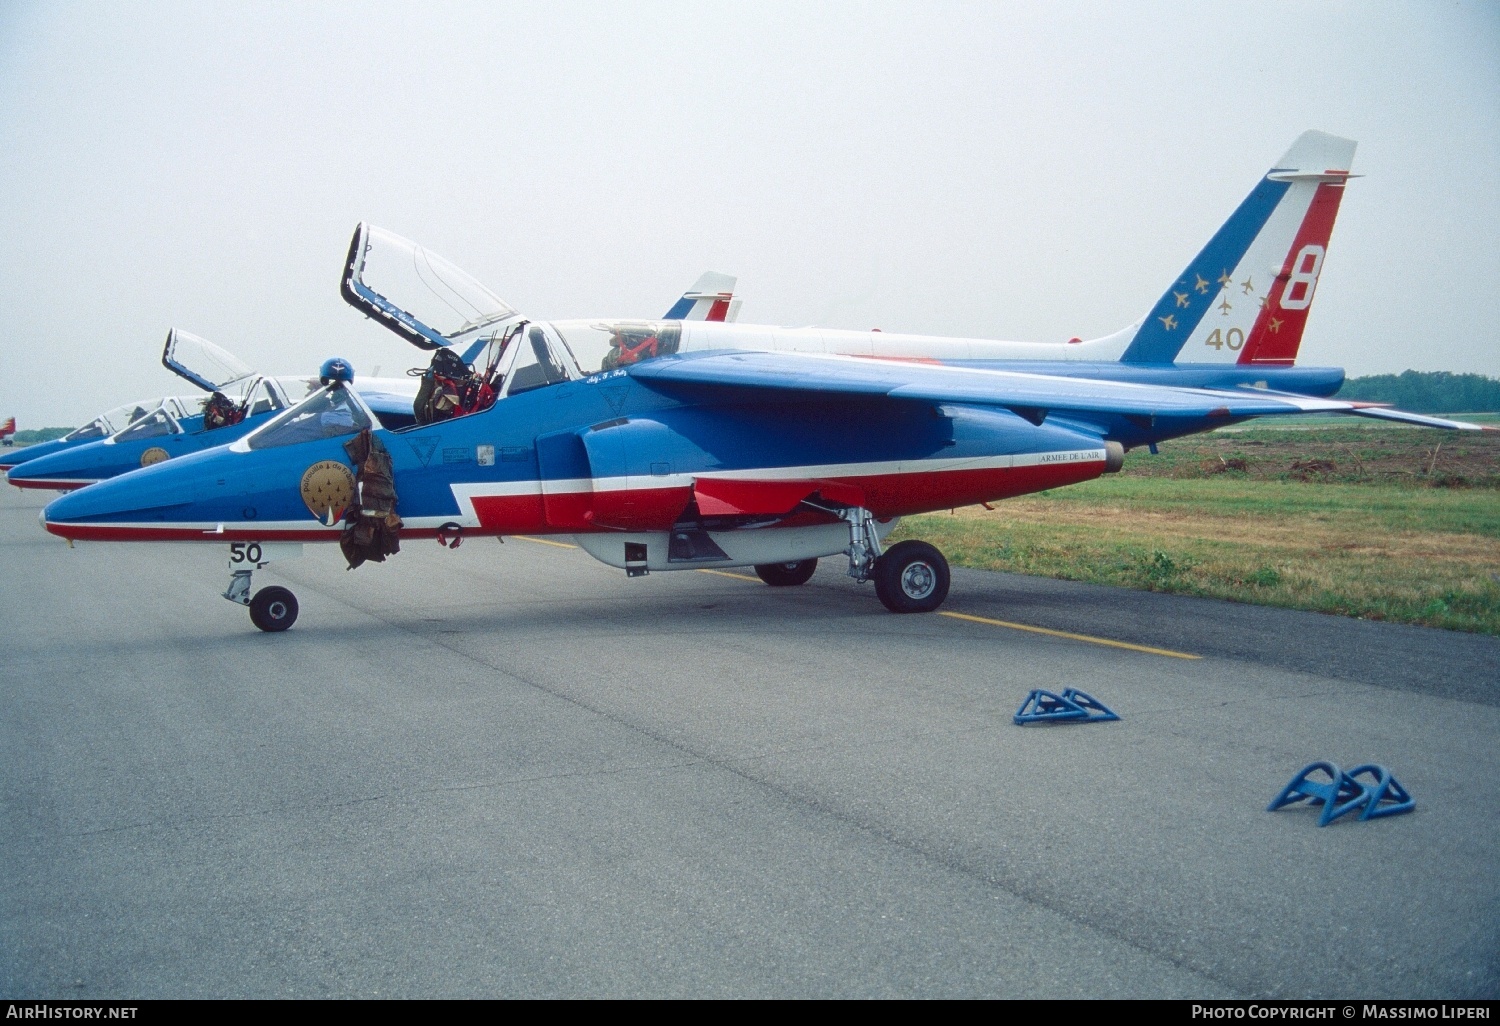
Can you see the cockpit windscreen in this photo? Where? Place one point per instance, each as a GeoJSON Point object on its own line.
{"type": "Point", "coordinates": [116, 419]}
{"type": "Point", "coordinates": [608, 346]}
{"type": "Point", "coordinates": [328, 413]}
{"type": "Point", "coordinates": [155, 424]}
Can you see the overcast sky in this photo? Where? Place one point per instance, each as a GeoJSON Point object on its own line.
{"type": "Point", "coordinates": [1019, 171]}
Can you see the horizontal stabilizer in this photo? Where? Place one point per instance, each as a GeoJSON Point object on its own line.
{"type": "Point", "coordinates": [1386, 413]}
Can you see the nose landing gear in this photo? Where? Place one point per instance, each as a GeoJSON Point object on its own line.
{"type": "Point", "coordinates": [272, 609]}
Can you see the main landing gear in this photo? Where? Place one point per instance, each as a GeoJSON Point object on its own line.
{"type": "Point", "coordinates": [911, 578]}
{"type": "Point", "coordinates": [272, 609]}
{"type": "Point", "coordinates": [786, 575]}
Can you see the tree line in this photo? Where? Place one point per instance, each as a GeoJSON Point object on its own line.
{"type": "Point", "coordinates": [1427, 391]}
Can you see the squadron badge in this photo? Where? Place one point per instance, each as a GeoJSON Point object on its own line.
{"type": "Point", "coordinates": [155, 454]}
{"type": "Point", "coordinates": [327, 489]}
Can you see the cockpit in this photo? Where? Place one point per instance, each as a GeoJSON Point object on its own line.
{"type": "Point", "coordinates": [605, 346]}
{"type": "Point", "coordinates": [159, 422]}
{"type": "Point", "coordinates": [483, 351]}
{"type": "Point", "coordinates": [330, 412]}
{"type": "Point", "coordinates": [113, 421]}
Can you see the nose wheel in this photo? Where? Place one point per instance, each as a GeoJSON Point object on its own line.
{"type": "Point", "coordinates": [273, 609]}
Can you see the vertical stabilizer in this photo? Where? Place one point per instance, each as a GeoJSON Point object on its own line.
{"type": "Point", "coordinates": [708, 300]}
{"type": "Point", "coordinates": [1245, 297]}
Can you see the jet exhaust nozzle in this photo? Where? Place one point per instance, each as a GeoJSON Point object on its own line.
{"type": "Point", "coordinates": [1114, 457]}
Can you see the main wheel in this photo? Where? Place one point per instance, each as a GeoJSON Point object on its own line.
{"type": "Point", "coordinates": [785, 575]}
{"type": "Point", "coordinates": [273, 609]}
{"type": "Point", "coordinates": [912, 577]}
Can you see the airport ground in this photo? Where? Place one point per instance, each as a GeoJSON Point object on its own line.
{"type": "Point", "coordinates": [509, 770]}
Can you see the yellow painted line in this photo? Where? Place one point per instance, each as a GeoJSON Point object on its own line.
{"type": "Point", "coordinates": [726, 573]}
{"type": "Point", "coordinates": [543, 541]}
{"type": "Point", "coordinates": [1075, 637]}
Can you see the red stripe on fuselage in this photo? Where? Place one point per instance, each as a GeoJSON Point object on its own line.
{"type": "Point", "coordinates": [657, 509]}
{"type": "Point", "coordinates": [646, 509]}
{"type": "Point", "coordinates": [56, 486]}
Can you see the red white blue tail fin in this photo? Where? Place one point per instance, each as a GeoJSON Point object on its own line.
{"type": "Point", "coordinates": [710, 299]}
{"type": "Point", "coordinates": [1245, 297]}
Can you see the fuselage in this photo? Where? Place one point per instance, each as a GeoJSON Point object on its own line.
{"type": "Point", "coordinates": [603, 452]}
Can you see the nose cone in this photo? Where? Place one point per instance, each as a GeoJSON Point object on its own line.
{"type": "Point", "coordinates": [74, 467]}
{"type": "Point", "coordinates": [134, 505]}
{"type": "Point", "coordinates": [15, 457]}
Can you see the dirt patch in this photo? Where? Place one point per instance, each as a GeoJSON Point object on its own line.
{"type": "Point", "coordinates": [1418, 457]}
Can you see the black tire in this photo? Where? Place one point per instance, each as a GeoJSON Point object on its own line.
{"type": "Point", "coordinates": [911, 578]}
{"type": "Point", "coordinates": [786, 575]}
{"type": "Point", "coordinates": [273, 609]}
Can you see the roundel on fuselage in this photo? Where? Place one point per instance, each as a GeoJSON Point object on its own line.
{"type": "Point", "coordinates": [327, 485]}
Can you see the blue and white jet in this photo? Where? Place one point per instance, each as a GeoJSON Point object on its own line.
{"type": "Point", "coordinates": [671, 445]}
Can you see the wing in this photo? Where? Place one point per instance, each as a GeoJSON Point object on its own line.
{"type": "Point", "coordinates": [1031, 395]}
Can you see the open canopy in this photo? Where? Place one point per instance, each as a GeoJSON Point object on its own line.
{"type": "Point", "coordinates": [200, 361]}
{"type": "Point", "coordinates": [416, 293]}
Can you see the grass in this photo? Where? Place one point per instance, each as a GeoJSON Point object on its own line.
{"type": "Point", "coordinates": [1374, 535]}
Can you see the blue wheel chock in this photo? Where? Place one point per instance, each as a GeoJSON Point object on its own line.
{"type": "Point", "coordinates": [1387, 796]}
{"type": "Point", "coordinates": [1072, 706]}
{"type": "Point", "coordinates": [1344, 792]}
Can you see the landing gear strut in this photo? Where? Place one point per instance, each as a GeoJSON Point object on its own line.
{"type": "Point", "coordinates": [864, 543]}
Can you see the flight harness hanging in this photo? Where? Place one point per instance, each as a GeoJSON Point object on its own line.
{"type": "Point", "coordinates": [372, 530]}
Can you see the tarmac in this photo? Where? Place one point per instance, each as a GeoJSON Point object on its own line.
{"type": "Point", "coordinates": [511, 771]}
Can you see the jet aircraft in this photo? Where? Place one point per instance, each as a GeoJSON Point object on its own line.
{"type": "Point", "coordinates": [240, 400]}
{"type": "Point", "coordinates": [671, 445]}
{"type": "Point", "coordinates": [140, 434]}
